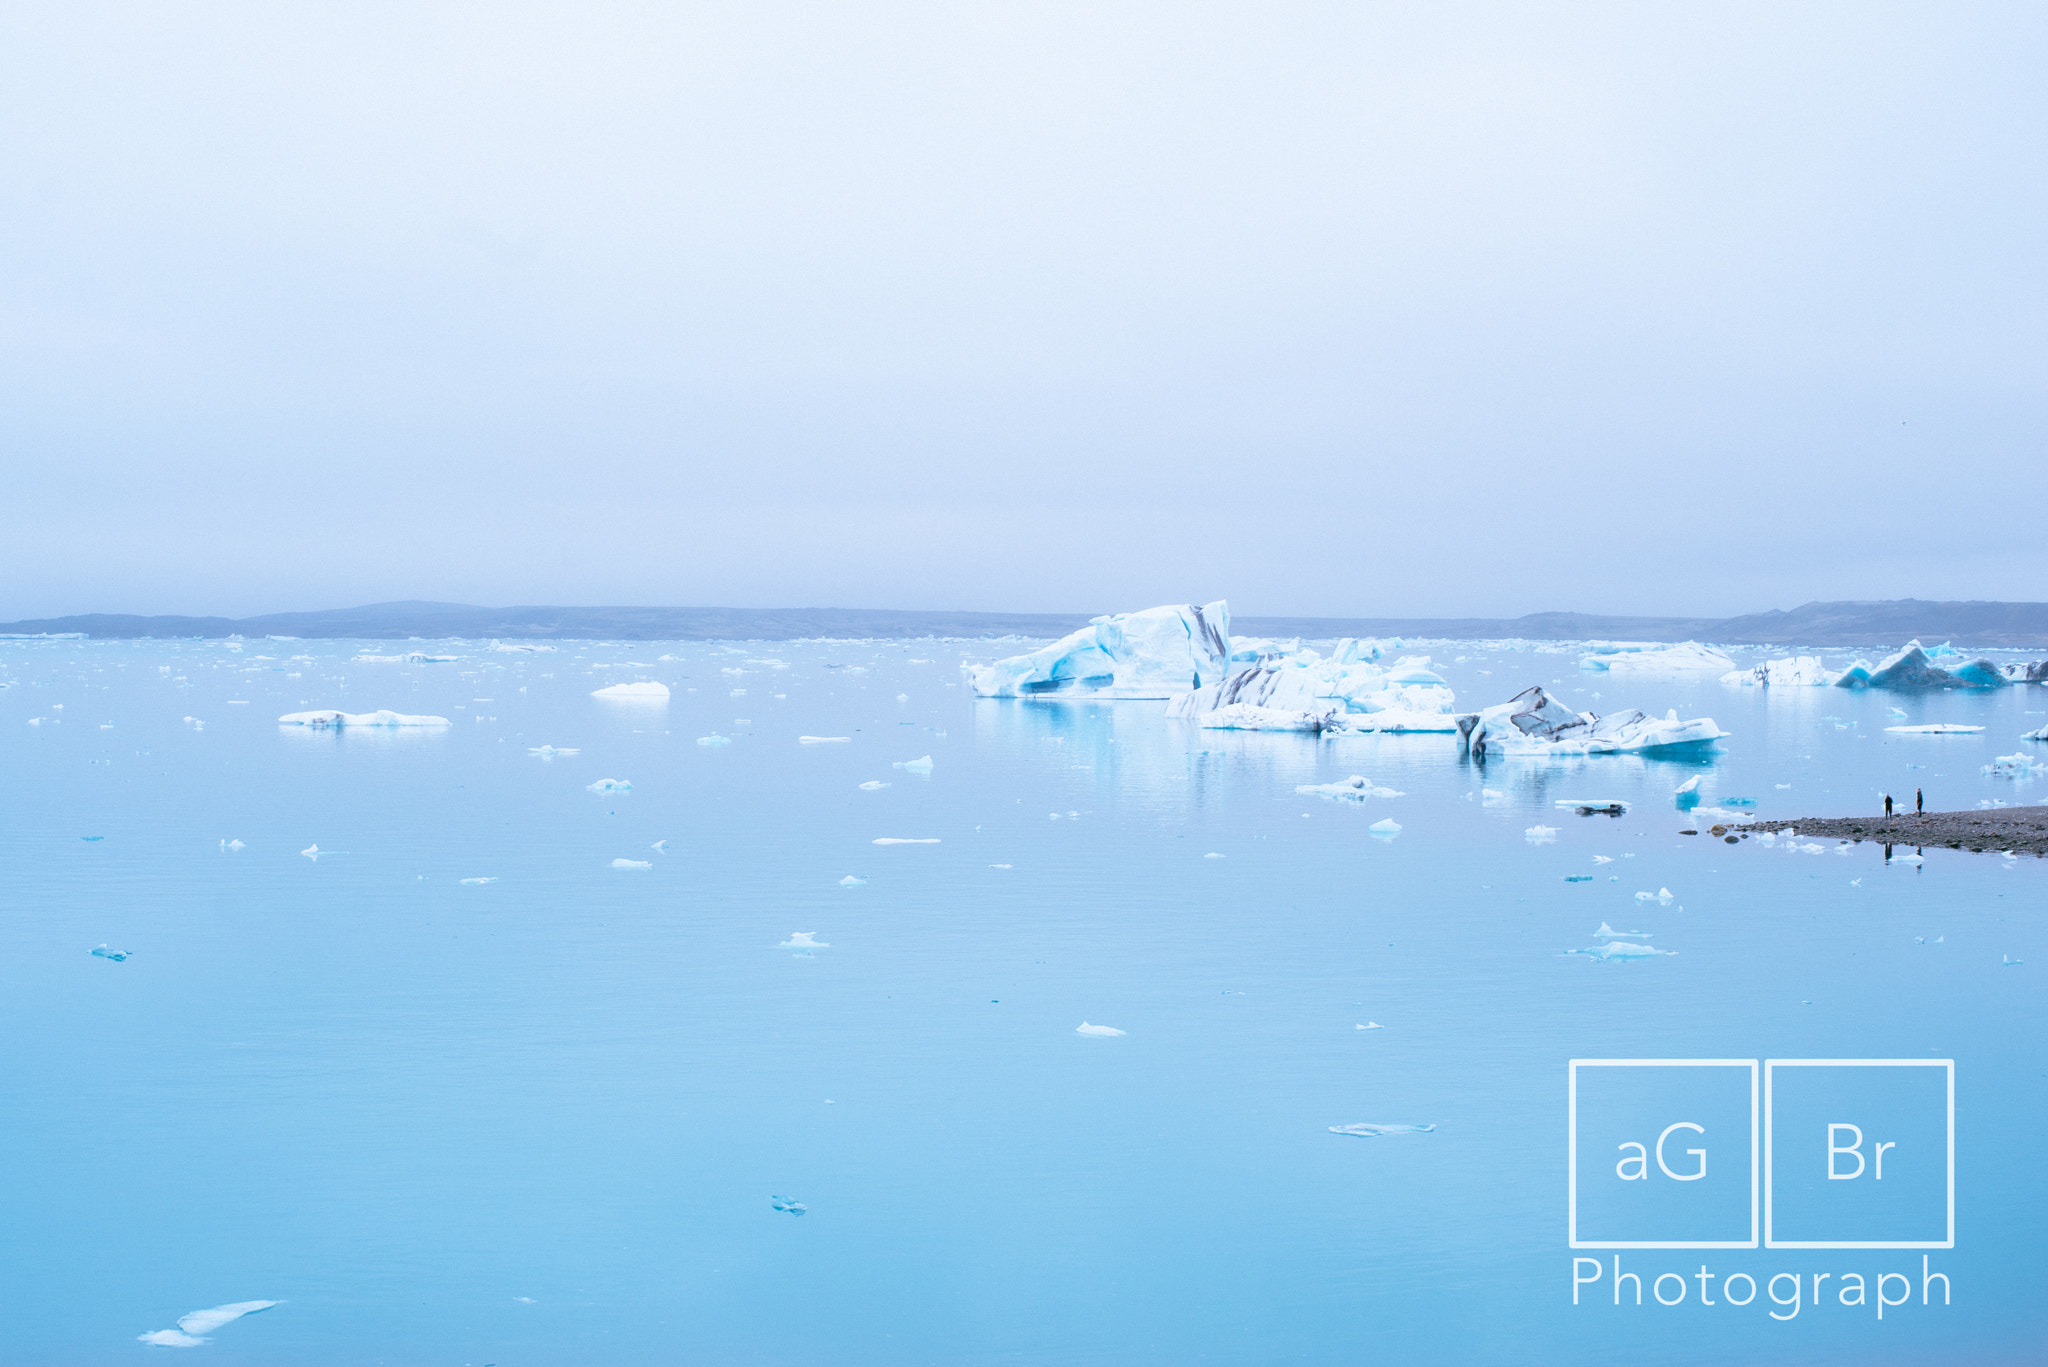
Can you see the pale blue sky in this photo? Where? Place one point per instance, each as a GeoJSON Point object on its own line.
{"type": "Point", "coordinates": [1335, 309]}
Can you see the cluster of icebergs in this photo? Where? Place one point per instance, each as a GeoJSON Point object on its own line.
{"type": "Point", "coordinates": [1184, 653]}
{"type": "Point", "coordinates": [1647, 657]}
{"type": "Point", "coordinates": [1914, 667]}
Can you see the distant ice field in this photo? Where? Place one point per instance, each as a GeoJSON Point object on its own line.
{"type": "Point", "coordinates": [817, 1011]}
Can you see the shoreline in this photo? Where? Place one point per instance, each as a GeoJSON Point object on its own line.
{"type": "Point", "coordinates": [2023, 830]}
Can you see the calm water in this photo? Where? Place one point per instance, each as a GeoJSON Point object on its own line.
{"type": "Point", "coordinates": [540, 1120]}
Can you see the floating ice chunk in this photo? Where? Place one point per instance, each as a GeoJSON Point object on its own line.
{"type": "Point", "coordinates": [1540, 835]}
{"type": "Point", "coordinates": [1662, 897]}
{"type": "Point", "coordinates": [1923, 940]}
{"type": "Point", "coordinates": [902, 697]}
{"type": "Point", "coordinates": [2016, 766]}
{"type": "Point", "coordinates": [1795, 671]}
{"type": "Point", "coordinates": [1896, 713]}
{"type": "Point", "coordinates": [2007, 961]}
{"type": "Point", "coordinates": [1246, 717]}
{"type": "Point", "coordinates": [803, 939]}
{"type": "Point", "coordinates": [904, 840]}
{"type": "Point", "coordinates": [823, 740]}
{"type": "Point", "coordinates": [609, 785]}
{"type": "Point", "coordinates": [117, 955]}
{"type": "Point", "coordinates": [644, 690]}
{"type": "Point", "coordinates": [789, 1204]}
{"type": "Point", "coordinates": [1650, 657]}
{"type": "Point", "coordinates": [1603, 859]}
{"type": "Point", "coordinates": [232, 845]}
{"type": "Point", "coordinates": [193, 1328]}
{"type": "Point", "coordinates": [1913, 668]}
{"type": "Point", "coordinates": [1621, 951]}
{"type": "Point", "coordinates": [521, 648]}
{"type": "Point", "coordinates": [2041, 734]}
{"type": "Point", "coordinates": [1157, 653]}
{"type": "Point", "coordinates": [1488, 796]}
{"type": "Point", "coordinates": [714, 739]}
{"type": "Point", "coordinates": [915, 766]}
{"type": "Point", "coordinates": [1357, 788]}
{"type": "Point", "coordinates": [341, 719]}
{"type": "Point", "coordinates": [851, 882]}
{"type": "Point", "coordinates": [549, 751]}
{"type": "Point", "coordinates": [478, 882]}
{"type": "Point", "coordinates": [313, 852]}
{"type": "Point", "coordinates": [1939, 728]}
{"type": "Point", "coordinates": [1002, 866]}
{"type": "Point", "coordinates": [1607, 932]}
{"type": "Point", "coordinates": [1369, 1025]}
{"type": "Point", "coordinates": [873, 784]}
{"type": "Point", "coordinates": [1386, 828]}
{"type": "Point", "coordinates": [1212, 855]}
{"type": "Point", "coordinates": [1367, 1130]}
{"type": "Point", "coordinates": [1084, 1028]}
{"type": "Point", "coordinates": [631, 864]}
{"type": "Point", "coordinates": [1578, 878]}
{"type": "Point", "coordinates": [1533, 724]}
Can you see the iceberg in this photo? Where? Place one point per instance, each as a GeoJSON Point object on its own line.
{"type": "Point", "coordinates": [1304, 690]}
{"type": "Point", "coordinates": [549, 751]}
{"type": "Point", "coordinates": [1649, 657]}
{"type": "Point", "coordinates": [340, 719]}
{"type": "Point", "coordinates": [1357, 788]}
{"type": "Point", "coordinates": [1365, 1130]}
{"type": "Point", "coordinates": [413, 658]}
{"type": "Point", "coordinates": [1105, 1031]}
{"type": "Point", "coordinates": [1157, 653]}
{"type": "Point", "coordinates": [2021, 765]}
{"type": "Point", "coordinates": [1794, 671]}
{"type": "Point", "coordinates": [1914, 668]}
{"type": "Point", "coordinates": [922, 765]}
{"type": "Point", "coordinates": [803, 939]}
{"type": "Point", "coordinates": [2037, 672]}
{"type": "Point", "coordinates": [519, 648]}
{"type": "Point", "coordinates": [714, 739]}
{"type": "Point", "coordinates": [1386, 828]}
{"type": "Point", "coordinates": [117, 955]}
{"type": "Point", "coordinates": [610, 785]}
{"type": "Point", "coordinates": [1621, 951]}
{"type": "Point", "coordinates": [2041, 734]}
{"type": "Point", "coordinates": [1534, 724]}
{"type": "Point", "coordinates": [872, 784]}
{"type": "Point", "coordinates": [852, 882]}
{"type": "Point", "coordinates": [193, 1328]}
{"type": "Point", "coordinates": [644, 690]}
{"type": "Point", "coordinates": [1607, 932]}
{"type": "Point", "coordinates": [631, 864]}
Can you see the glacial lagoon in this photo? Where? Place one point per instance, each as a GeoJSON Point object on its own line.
{"type": "Point", "coordinates": [462, 1057]}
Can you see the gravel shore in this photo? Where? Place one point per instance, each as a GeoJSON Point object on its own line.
{"type": "Point", "coordinates": [2023, 830]}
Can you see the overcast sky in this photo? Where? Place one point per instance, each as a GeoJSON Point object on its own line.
{"type": "Point", "coordinates": [1332, 309]}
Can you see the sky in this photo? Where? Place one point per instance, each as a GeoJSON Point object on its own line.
{"type": "Point", "coordinates": [1331, 309]}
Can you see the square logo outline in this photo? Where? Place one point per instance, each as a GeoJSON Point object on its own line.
{"type": "Point", "coordinates": [1572, 1238]}
{"type": "Point", "coordinates": [1945, 1063]}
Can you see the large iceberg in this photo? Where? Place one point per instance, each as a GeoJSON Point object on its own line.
{"type": "Point", "coordinates": [1648, 657]}
{"type": "Point", "coordinates": [1533, 723]}
{"type": "Point", "coordinates": [1157, 653]}
{"type": "Point", "coordinates": [1305, 690]}
{"type": "Point", "coordinates": [1794, 671]}
{"type": "Point", "coordinates": [1913, 667]}
{"type": "Point", "coordinates": [2034, 672]}
{"type": "Point", "coordinates": [377, 718]}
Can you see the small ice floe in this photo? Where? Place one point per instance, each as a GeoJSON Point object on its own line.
{"type": "Point", "coordinates": [1541, 835]}
{"type": "Point", "coordinates": [803, 940]}
{"type": "Point", "coordinates": [609, 785]}
{"type": "Point", "coordinates": [337, 720]}
{"type": "Point", "coordinates": [478, 882]}
{"type": "Point", "coordinates": [1603, 859]}
{"type": "Point", "coordinates": [1607, 932]}
{"type": "Point", "coordinates": [117, 955]}
{"type": "Point", "coordinates": [852, 882]}
{"type": "Point", "coordinates": [1386, 828]}
{"type": "Point", "coordinates": [232, 845]}
{"type": "Point", "coordinates": [1213, 855]}
{"type": "Point", "coordinates": [1369, 1025]}
{"type": "Point", "coordinates": [1688, 792]}
{"type": "Point", "coordinates": [1002, 866]}
{"type": "Point", "coordinates": [193, 1328]}
{"type": "Point", "coordinates": [643, 690]}
{"type": "Point", "coordinates": [714, 739]}
{"type": "Point", "coordinates": [902, 697]}
{"type": "Point", "coordinates": [789, 1204]}
{"type": "Point", "coordinates": [549, 751]}
{"type": "Point", "coordinates": [632, 864]}
{"type": "Point", "coordinates": [2016, 766]}
{"type": "Point", "coordinates": [905, 840]}
{"type": "Point", "coordinates": [823, 740]}
{"type": "Point", "coordinates": [1578, 878]}
{"type": "Point", "coordinates": [2007, 961]}
{"type": "Point", "coordinates": [1489, 796]}
{"type": "Point", "coordinates": [1621, 951]}
{"type": "Point", "coordinates": [1940, 728]}
{"type": "Point", "coordinates": [1357, 788]}
{"type": "Point", "coordinates": [1662, 897]}
{"type": "Point", "coordinates": [316, 854]}
{"type": "Point", "coordinates": [1365, 1130]}
{"type": "Point", "coordinates": [524, 1300]}
{"type": "Point", "coordinates": [92, 837]}
{"type": "Point", "coordinates": [915, 766]}
{"type": "Point", "coordinates": [872, 784]}
{"type": "Point", "coordinates": [1937, 940]}
{"type": "Point", "coordinates": [1084, 1028]}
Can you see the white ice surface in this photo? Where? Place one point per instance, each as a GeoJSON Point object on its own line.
{"type": "Point", "coordinates": [644, 689]}
{"type": "Point", "coordinates": [337, 719]}
{"type": "Point", "coordinates": [1156, 653]}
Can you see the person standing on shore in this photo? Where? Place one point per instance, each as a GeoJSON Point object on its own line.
{"type": "Point", "coordinates": [1887, 806]}
{"type": "Point", "coordinates": [1918, 806]}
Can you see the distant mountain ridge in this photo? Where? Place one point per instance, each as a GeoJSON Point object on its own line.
{"type": "Point", "coordinates": [1873, 625]}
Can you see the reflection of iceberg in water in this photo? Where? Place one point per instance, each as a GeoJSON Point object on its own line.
{"type": "Point", "coordinates": [1533, 724]}
{"type": "Point", "coordinates": [1156, 653]}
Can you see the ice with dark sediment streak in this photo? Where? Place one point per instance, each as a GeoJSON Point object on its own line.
{"type": "Point", "coordinates": [1346, 691]}
{"type": "Point", "coordinates": [1372, 1130]}
{"type": "Point", "coordinates": [1357, 788]}
{"type": "Point", "coordinates": [334, 719]}
{"type": "Point", "coordinates": [1793, 671]}
{"type": "Point", "coordinates": [194, 1327]}
{"type": "Point", "coordinates": [1535, 725]}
